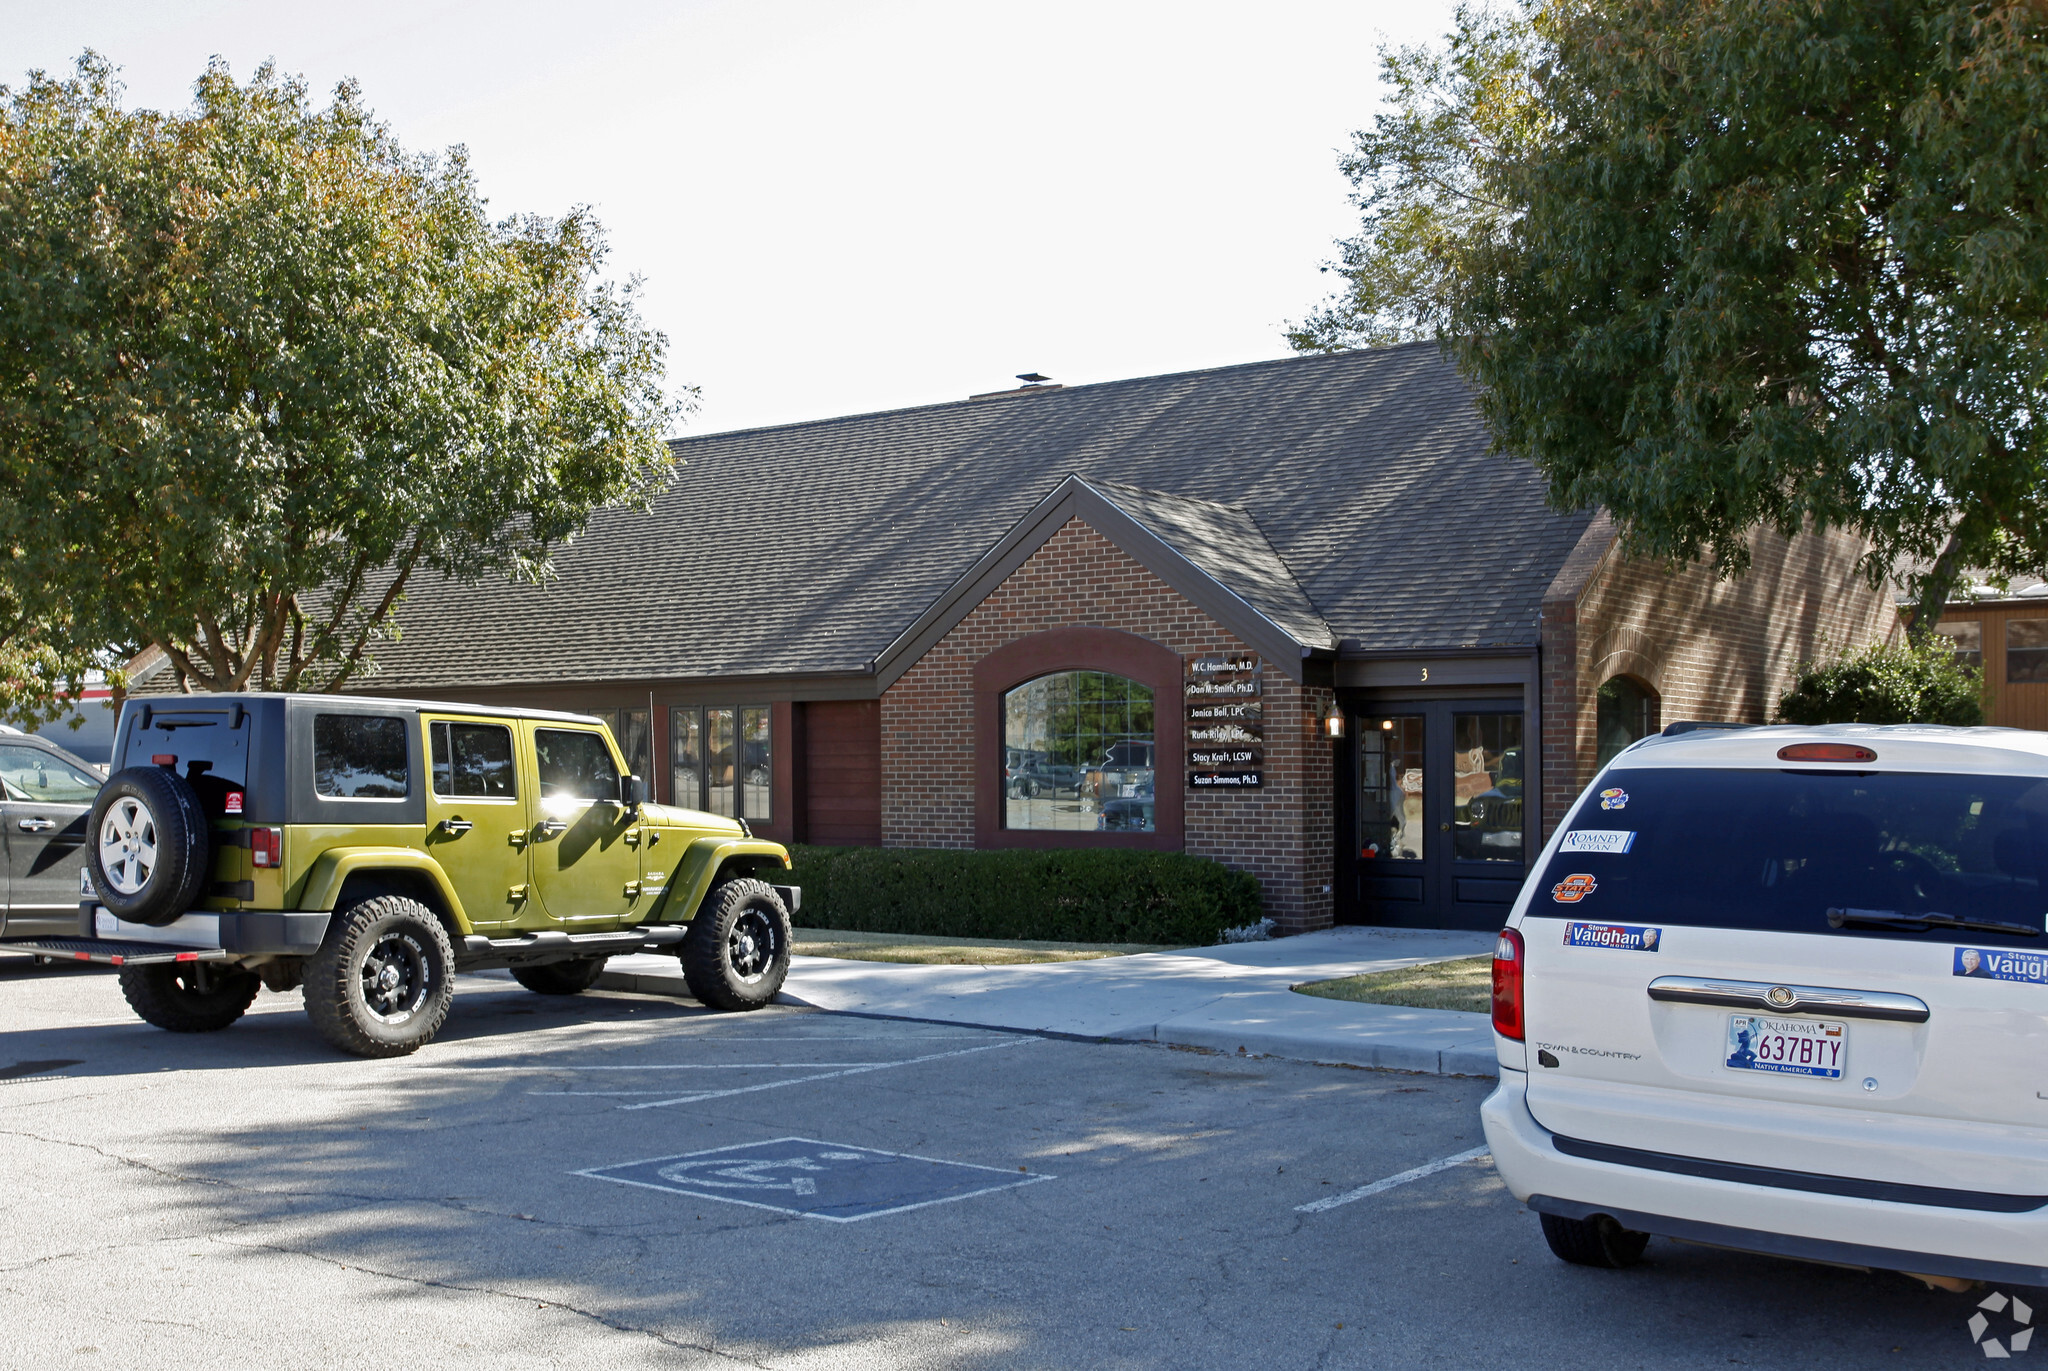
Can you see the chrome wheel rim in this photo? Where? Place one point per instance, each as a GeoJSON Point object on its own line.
{"type": "Point", "coordinates": [127, 847]}
{"type": "Point", "coordinates": [751, 946]}
{"type": "Point", "coordinates": [396, 977]}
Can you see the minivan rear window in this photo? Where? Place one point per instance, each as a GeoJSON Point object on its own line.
{"type": "Point", "coordinates": [1776, 849]}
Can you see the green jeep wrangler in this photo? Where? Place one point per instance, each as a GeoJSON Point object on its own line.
{"type": "Point", "coordinates": [367, 849]}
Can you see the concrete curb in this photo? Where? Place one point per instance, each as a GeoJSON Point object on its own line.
{"type": "Point", "coordinates": [1353, 1040]}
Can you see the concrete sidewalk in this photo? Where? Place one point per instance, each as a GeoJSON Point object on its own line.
{"type": "Point", "coordinates": [1228, 999]}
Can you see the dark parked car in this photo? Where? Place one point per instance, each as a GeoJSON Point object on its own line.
{"type": "Point", "coordinates": [45, 796]}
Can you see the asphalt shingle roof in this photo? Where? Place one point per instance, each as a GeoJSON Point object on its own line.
{"type": "Point", "coordinates": [1225, 541]}
{"type": "Point", "coordinates": [808, 548]}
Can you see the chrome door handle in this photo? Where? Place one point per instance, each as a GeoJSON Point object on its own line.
{"type": "Point", "coordinates": [455, 828]}
{"type": "Point", "coordinates": [1790, 999]}
{"type": "Point", "coordinates": [36, 825]}
{"type": "Point", "coordinates": [548, 828]}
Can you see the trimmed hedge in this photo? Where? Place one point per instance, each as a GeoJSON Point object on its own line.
{"type": "Point", "coordinates": [1081, 895]}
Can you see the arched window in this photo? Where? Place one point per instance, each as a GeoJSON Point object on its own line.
{"type": "Point", "coordinates": [1627, 714]}
{"type": "Point", "coordinates": [1079, 754]}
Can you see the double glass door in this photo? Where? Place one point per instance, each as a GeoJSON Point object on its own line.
{"type": "Point", "coordinates": [1436, 836]}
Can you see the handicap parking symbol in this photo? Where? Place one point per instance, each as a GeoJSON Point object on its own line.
{"type": "Point", "coordinates": [817, 1180]}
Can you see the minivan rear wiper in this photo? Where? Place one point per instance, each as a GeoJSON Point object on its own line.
{"type": "Point", "coordinates": [1892, 918]}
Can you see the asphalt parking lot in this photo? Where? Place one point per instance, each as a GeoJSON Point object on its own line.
{"type": "Point", "coordinates": [625, 1181]}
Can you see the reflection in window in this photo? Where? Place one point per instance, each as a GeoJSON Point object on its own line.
{"type": "Point", "coordinates": [1390, 788]}
{"type": "Point", "coordinates": [1627, 713]}
{"type": "Point", "coordinates": [359, 757]}
{"type": "Point", "coordinates": [629, 727]}
{"type": "Point", "coordinates": [473, 760]}
{"type": "Point", "coordinates": [1079, 753]}
{"type": "Point", "coordinates": [2026, 650]}
{"type": "Point", "coordinates": [722, 760]}
{"type": "Point", "coordinates": [574, 765]}
{"type": "Point", "coordinates": [29, 773]}
{"type": "Point", "coordinates": [1486, 786]}
{"type": "Point", "coordinates": [1966, 638]}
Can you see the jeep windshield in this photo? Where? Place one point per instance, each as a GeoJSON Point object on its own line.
{"type": "Point", "coordinates": [1896, 855]}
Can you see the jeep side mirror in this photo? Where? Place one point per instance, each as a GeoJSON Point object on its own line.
{"type": "Point", "coordinates": [632, 792]}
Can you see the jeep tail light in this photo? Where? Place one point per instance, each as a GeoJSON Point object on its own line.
{"type": "Point", "coordinates": [1507, 984]}
{"type": "Point", "coordinates": [1826, 752]}
{"type": "Point", "coordinates": [164, 759]}
{"type": "Point", "coordinates": [266, 848]}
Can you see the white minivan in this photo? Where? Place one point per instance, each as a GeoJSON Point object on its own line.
{"type": "Point", "coordinates": [1786, 990]}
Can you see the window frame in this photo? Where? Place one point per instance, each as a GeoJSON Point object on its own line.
{"type": "Point", "coordinates": [447, 798]}
{"type": "Point", "coordinates": [412, 759]}
{"type": "Point", "coordinates": [701, 801]}
{"type": "Point", "coordinates": [1108, 762]}
{"type": "Point", "coordinates": [1017, 663]}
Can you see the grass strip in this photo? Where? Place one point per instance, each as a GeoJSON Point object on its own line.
{"type": "Point", "coordinates": [1466, 983]}
{"type": "Point", "coordinates": [936, 951]}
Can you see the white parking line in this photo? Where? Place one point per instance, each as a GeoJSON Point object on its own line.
{"type": "Point", "coordinates": [675, 1066]}
{"type": "Point", "coordinates": [826, 1076]}
{"type": "Point", "coordinates": [1415, 1173]}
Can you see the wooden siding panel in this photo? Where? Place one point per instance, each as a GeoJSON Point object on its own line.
{"type": "Point", "coordinates": [843, 770]}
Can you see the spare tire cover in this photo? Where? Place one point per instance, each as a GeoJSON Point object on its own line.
{"type": "Point", "coordinates": [149, 846]}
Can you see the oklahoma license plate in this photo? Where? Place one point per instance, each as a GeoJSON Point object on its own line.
{"type": "Point", "coordinates": [1788, 1047]}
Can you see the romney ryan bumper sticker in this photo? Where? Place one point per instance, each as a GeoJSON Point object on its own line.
{"type": "Point", "coordinates": [1614, 840]}
{"type": "Point", "coordinates": [1620, 937]}
{"type": "Point", "coordinates": [2002, 964]}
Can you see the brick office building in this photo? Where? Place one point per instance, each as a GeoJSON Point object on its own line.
{"type": "Point", "coordinates": [1133, 614]}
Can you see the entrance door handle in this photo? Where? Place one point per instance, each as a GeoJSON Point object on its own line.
{"type": "Point", "coordinates": [455, 828]}
{"type": "Point", "coordinates": [36, 825]}
{"type": "Point", "coordinates": [548, 828]}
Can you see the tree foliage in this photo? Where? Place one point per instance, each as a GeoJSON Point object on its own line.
{"type": "Point", "coordinates": [259, 366]}
{"type": "Point", "coordinates": [1754, 263]}
{"type": "Point", "coordinates": [1888, 684]}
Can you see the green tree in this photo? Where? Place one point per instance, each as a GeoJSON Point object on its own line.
{"type": "Point", "coordinates": [259, 366]}
{"type": "Point", "coordinates": [1756, 263]}
{"type": "Point", "coordinates": [1887, 684]}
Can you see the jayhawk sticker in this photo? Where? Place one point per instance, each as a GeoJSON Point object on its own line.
{"type": "Point", "coordinates": [1573, 888]}
{"type": "Point", "coordinates": [1614, 797]}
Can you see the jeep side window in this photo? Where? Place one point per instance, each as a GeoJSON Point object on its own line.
{"type": "Point", "coordinates": [574, 766]}
{"type": "Point", "coordinates": [359, 757]}
{"type": "Point", "coordinates": [473, 761]}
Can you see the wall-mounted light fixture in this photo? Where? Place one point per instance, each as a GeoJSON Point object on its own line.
{"type": "Point", "coordinates": [1333, 720]}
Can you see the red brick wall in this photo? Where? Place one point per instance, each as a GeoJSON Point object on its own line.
{"type": "Point", "coordinates": [1710, 649]}
{"type": "Point", "coordinates": [1282, 833]}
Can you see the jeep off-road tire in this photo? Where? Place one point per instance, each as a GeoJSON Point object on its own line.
{"type": "Point", "coordinates": [189, 997]}
{"type": "Point", "coordinates": [149, 845]}
{"type": "Point", "coordinates": [561, 978]}
{"type": "Point", "coordinates": [736, 953]}
{"type": "Point", "coordinates": [382, 981]}
{"type": "Point", "coordinates": [1598, 1241]}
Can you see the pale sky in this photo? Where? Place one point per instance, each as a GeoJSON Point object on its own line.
{"type": "Point", "coordinates": [857, 205]}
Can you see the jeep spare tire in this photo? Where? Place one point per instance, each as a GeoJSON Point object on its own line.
{"type": "Point", "coordinates": [149, 845]}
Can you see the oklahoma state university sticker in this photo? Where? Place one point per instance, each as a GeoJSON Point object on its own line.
{"type": "Point", "coordinates": [1574, 888]}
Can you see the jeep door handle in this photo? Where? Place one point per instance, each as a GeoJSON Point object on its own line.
{"type": "Point", "coordinates": [36, 825]}
{"type": "Point", "coordinates": [548, 828]}
{"type": "Point", "coordinates": [455, 828]}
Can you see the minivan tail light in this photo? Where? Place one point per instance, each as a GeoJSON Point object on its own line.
{"type": "Point", "coordinates": [1507, 984]}
{"type": "Point", "coordinates": [266, 846]}
{"type": "Point", "coordinates": [1826, 752]}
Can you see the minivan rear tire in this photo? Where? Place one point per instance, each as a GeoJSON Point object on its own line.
{"type": "Point", "coordinates": [1598, 1241]}
{"type": "Point", "coordinates": [148, 805]}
